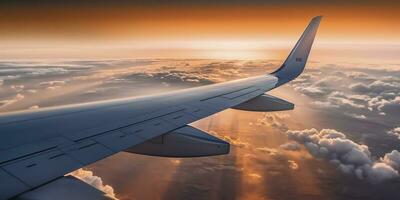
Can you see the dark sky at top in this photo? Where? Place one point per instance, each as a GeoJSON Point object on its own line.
{"type": "Point", "coordinates": [192, 3]}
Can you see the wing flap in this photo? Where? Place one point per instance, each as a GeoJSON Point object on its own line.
{"type": "Point", "coordinates": [183, 142]}
{"type": "Point", "coordinates": [265, 103]}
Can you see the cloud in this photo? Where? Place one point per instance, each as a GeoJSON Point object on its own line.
{"type": "Point", "coordinates": [395, 132]}
{"type": "Point", "coordinates": [392, 159]}
{"type": "Point", "coordinates": [13, 71]}
{"type": "Point", "coordinates": [274, 120]}
{"type": "Point", "coordinates": [293, 165]}
{"type": "Point", "coordinates": [348, 156]}
{"type": "Point", "coordinates": [17, 88]}
{"type": "Point", "coordinates": [312, 91]}
{"type": "Point", "coordinates": [356, 116]}
{"type": "Point", "coordinates": [235, 141]}
{"type": "Point", "coordinates": [345, 103]}
{"type": "Point", "coordinates": [324, 104]}
{"type": "Point", "coordinates": [328, 81]}
{"type": "Point", "coordinates": [32, 91]}
{"type": "Point", "coordinates": [33, 107]}
{"type": "Point", "coordinates": [359, 97]}
{"type": "Point", "coordinates": [351, 92]}
{"type": "Point", "coordinates": [385, 105]}
{"type": "Point", "coordinates": [175, 162]}
{"type": "Point", "coordinates": [95, 181]}
{"type": "Point", "coordinates": [254, 176]}
{"type": "Point", "coordinates": [51, 83]}
{"type": "Point", "coordinates": [8, 102]}
{"type": "Point", "coordinates": [290, 146]}
{"type": "Point", "coordinates": [52, 87]}
{"type": "Point", "coordinates": [376, 87]}
{"type": "Point", "coordinates": [314, 87]}
{"type": "Point", "coordinates": [268, 150]}
{"type": "Point", "coordinates": [357, 75]}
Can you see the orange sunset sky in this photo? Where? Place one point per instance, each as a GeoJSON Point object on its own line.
{"type": "Point", "coordinates": [47, 28]}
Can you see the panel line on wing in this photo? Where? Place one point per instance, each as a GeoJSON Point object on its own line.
{"type": "Point", "coordinates": [225, 93]}
{"type": "Point", "coordinates": [142, 121]}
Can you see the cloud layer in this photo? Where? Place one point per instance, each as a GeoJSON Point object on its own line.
{"type": "Point", "coordinates": [348, 156]}
{"type": "Point", "coordinates": [360, 93]}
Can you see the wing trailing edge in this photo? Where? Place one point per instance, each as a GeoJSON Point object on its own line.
{"type": "Point", "coordinates": [297, 59]}
{"type": "Point", "coordinates": [183, 142]}
{"type": "Point", "coordinates": [265, 103]}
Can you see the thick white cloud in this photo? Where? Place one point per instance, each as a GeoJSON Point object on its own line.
{"type": "Point", "coordinates": [353, 93]}
{"type": "Point", "coordinates": [344, 102]}
{"type": "Point", "coordinates": [348, 156]}
{"type": "Point", "coordinates": [376, 87]}
{"type": "Point", "coordinates": [385, 105]}
{"type": "Point", "coordinates": [359, 97]}
{"type": "Point", "coordinates": [312, 91]}
{"type": "Point", "coordinates": [95, 181]}
{"type": "Point", "coordinates": [392, 159]}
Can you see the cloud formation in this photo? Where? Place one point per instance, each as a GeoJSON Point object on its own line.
{"type": "Point", "coordinates": [95, 181]}
{"type": "Point", "coordinates": [270, 151]}
{"type": "Point", "coordinates": [351, 90]}
{"type": "Point", "coordinates": [234, 141]}
{"type": "Point", "coordinates": [274, 120]}
{"type": "Point", "coordinates": [293, 165]}
{"type": "Point", "coordinates": [290, 146]}
{"type": "Point", "coordinates": [7, 102]}
{"type": "Point", "coordinates": [395, 132]}
{"type": "Point", "coordinates": [376, 87]}
{"type": "Point", "coordinates": [348, 156]}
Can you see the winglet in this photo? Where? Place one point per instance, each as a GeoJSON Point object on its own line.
{"type": "Point", "coordinates": [297, 59]}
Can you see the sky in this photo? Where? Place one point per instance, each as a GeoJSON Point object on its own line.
{"type": "Point", "coordinates": [206, 29]}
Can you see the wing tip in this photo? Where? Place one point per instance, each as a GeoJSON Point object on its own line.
{"type": "Point", "coordinates": [319, 17]}
{"type": "Point", "coordinates": [296, 61]}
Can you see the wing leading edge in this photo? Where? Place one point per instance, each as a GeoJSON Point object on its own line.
{"type": "Point", "coordinates": [38, 147]}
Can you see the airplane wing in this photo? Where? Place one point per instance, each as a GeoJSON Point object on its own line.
{"type": "Point", "coordinates": [37, 148]}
